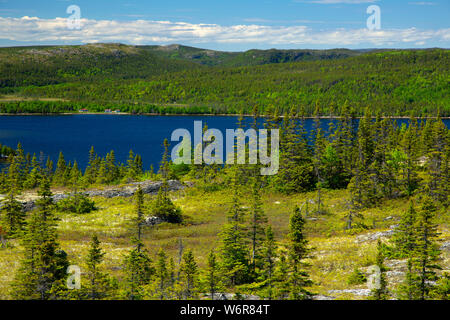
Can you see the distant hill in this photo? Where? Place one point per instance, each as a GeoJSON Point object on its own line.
{"type": "Point", "coordinates": [247, 58]}
{"type": "Point", "coordinates": [44, 65]}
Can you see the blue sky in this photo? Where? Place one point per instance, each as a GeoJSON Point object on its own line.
{"type": "Point", "coordinates": [230, 24]}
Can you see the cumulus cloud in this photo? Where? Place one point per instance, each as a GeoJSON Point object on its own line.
{"type": "Point", "coordinates": [35, 29]}
{"type": "Point", "coordinates": [423, 3]}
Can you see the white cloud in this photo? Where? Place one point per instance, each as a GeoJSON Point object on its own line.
{"type": "Point", "coordinates": [34, 29]}
{"type": "Point", "coordinates": [423, 3]}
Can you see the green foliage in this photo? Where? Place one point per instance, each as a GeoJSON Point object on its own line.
{"type": "Point", "coordinates": [43, 264]}
{"type": "Point", "coordinates": [189, 274]}
{"type": "Point", "coordinates": [380, 292]}
{"type": "Point", "coordinates": [356, 277]}
{"type": "Point", "coordinates": [138, 269]}
{"type": "Point", "coordinates": [163, 207]}
{"type": "Point", "coordinates": [13, 216]}
{"type": "Point", "coordinates": [137, 80]}
{"type": "Point", "coordinates": [77, 203]}
{"type": "Point", "coordinates": [298, 251]}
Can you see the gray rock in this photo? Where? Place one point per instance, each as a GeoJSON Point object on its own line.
{"type": "Point", "coordinates": [374, 236]}
{"type": "Point", "coordinates": [148, 187]}
{"type": "Point", "coordinates": [445, 246]}
{"type": "Point", "coordinates": [152, 221]}
{"type": "Point", "coordinates": [321, 297]}
{"type": "Point", "coordinates": [357, 292]}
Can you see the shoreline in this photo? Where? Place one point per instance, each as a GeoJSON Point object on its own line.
{"type": "Point", "coordinates": [194, 115]}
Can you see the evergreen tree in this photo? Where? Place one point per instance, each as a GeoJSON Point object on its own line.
{"type": "Point", "coordinates": [90, 174]}
{"type": "Point", "coordinates": [319, 148]}
{"type": "Point", "coordinates": [426, 255]}
{"type": "Point", "coordinates": [298, 251]}
{"type": "Point", "coordinates": [138, 270]}
{"type": "Point", "coordinates": [189, 272]}
{"type": "Point", "coordinates": [257, 221]}
{"type": "Point", "coordinates": [139, 215]}
{"type": "Point", "coordinates": [380, 292]}
{"type": "Point", "coordinates": [162, 274]}
{"type": "Point", "coordinates": [296, 168]}
{"type": "Point", "coordinates": [269, 254]}
{"type": "Point", "coordinates": [49, 168]}
{"type": "Point", "coordinates": [233, 250]}
{"type": "Point", "coordinates": [409, 288]}
{"type": "Point", "coordinates": [43, 264]}
{"type": "Point", "coordinates": [438, 163]}
{"type": "Point", "coordinates": [13, 216]}
{"type": "Point", "coordinates": [102, 176]}
{"type": "Point", "coordinates": [35, 174]}
{"type": "Point", "coordinates": [282, 281]}
{"type": "Point", "coordinates": [131, 166]}
{"type": "Point", "coordinates": [212, 278]}
{"type": "Point", "coordinates": [113, 172]}
{"type": "Point", "coordinates": [163, 207]}
{"type": "Point", "coordinates": [60, 171]}
{"type": "Point", "coordinates": [410, 147]}
{"type": "Point", "coordinates": [100, 285]}
{"type": "Point", "coordinates": [405, 234]}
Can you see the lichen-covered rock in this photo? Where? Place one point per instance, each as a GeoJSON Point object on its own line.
{"type": "Point", "coordinates": [148, 187]}
{"type": "Point", "coordinates": [151, 221]}
{"type": "Point", "coordinates": [374, 236]}
{"type": "Point", "coordinates": [445, 246]}
{"type": "Point", "coordinates": [356, 292]}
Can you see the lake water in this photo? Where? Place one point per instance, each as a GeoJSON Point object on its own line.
{"type": "Point", "coordinates": [75, 134]}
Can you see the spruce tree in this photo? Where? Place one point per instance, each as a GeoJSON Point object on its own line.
{"type": "Point", "coordinates": [380, 292]}
{"type": "Point", "coordinates": [139, 209]}
{"type": "Point", "coordinates": [282, 281]}
{"type": "Point", "coordinates": [427, 253]}
{"type": "Point", "coordinates": [13, 216]}
{"type": "Point", "coordinates": [438, 163]}
{"type": "Point", "coordinates": [138, 265]}
{"type": "Point", "coordinates": [212, 278]}
{"type": "Point", "coordinates": [269, 255]}
{"type": "Point", "coordinates": [189, 273]}
{"type": "Point", "coordinates": [233, 249]}
{"type": "Point", "coordinates": [256, 229]}
{"type": "Point", "coordinates": [163, 207]}
{"type": "Point", "coordinates": [298, 252]}
{"type": "Point", "coordinates": [44, 263]}
{"type": "Point", "coordinates": [162, 274]}
{"type": "Point", "coordinates": [90, 174]}
{"type": "Point", "coordinates": [405, 234]}
{"type": "Point", "coordinates": [410, 146]}
{"type": "Point", "coordinates": [59, 176]}
{"type": "Point", "coordinates": [100, 285]}
{"type": "Point", "coordinates": [138, 270]}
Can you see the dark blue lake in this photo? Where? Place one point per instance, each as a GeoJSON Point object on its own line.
{"type": "Point", "coordinates": [75, 134]}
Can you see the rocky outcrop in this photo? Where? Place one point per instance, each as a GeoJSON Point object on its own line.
{"type": "Point", "coordinates": [148, 187]}
{"type": "Point", "coordinates": [445, 246]}
{"type": "Point", "coordinates": [152, 221]}
{"type": "Point", "coordinates": [356, 292]}
{"type": "Point", "coordinates": [375, 236]}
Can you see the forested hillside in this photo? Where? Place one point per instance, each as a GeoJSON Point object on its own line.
{"type": "Point", "coordinates": [22, 66]}
{"type": "Point", "coordinates": [166, 80]}
{"type": "Point", "coordinates": [247, 58]}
